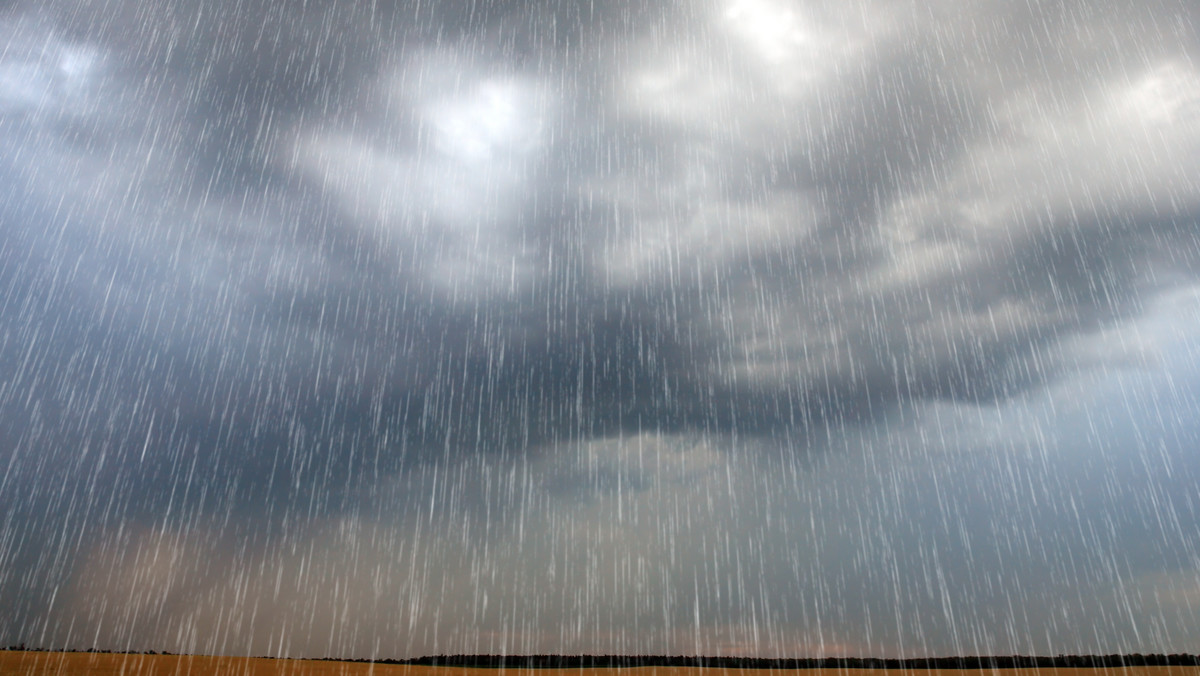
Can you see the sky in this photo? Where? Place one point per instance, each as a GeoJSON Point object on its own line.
{"type": "Point", "coordinates": [724, 327]}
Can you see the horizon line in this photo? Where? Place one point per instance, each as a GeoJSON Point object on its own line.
{"type": "Point", "coordinates": [597, 661]}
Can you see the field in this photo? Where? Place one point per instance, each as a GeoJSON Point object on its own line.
{"type": "Point", "coordinates": [105, 664]}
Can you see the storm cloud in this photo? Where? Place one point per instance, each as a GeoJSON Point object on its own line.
{"type": "Point", "coordinates": [411, 301]}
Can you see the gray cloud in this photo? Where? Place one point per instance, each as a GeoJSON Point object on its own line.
{"type": "Point", "coordinates": [257, 263]}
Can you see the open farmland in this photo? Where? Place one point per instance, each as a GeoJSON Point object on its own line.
{"type": "Point", "coordinates": [48, 663]}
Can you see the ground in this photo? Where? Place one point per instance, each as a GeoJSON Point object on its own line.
{"type": "Point", "coordinates": [47, 663]}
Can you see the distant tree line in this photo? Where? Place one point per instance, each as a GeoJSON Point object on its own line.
{"type": "Point", "coordinates": [97, 651]}
{"type": "Point", "coordinates": [625, 661]}
{"type": "Point", "coordinates": [980, 662]}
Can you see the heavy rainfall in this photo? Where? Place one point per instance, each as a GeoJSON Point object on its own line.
{"type": "Point", "coordinates": [722, 327]}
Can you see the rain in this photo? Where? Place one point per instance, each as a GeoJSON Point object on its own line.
{"type": "Point", "coordinates": [765, 328]}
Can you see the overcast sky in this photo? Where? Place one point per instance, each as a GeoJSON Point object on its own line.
{"type": "Point", "coordinates": [756, 327]}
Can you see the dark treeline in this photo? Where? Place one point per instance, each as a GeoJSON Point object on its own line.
{"type": "Point", "coordinates": [612, 661]}
{"type": "Point", "coordinates": [98, 651]}
{"type": "Point", "coordinates": [625, 661]}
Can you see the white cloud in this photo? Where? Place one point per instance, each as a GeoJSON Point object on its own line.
{"type": "Point", "coordinates": [49, 77]}
{"type": "Point", "coordinates": [460, 189]}
{"type": "Point", "coordinates": [1127, 149]}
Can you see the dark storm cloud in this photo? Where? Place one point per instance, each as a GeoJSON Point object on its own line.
{"type": "Point", "coordinates": [658, 266]}
{"type": "Point", "coordinates": [258, 257]}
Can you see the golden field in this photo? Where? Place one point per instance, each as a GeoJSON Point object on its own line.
{"type": "Point", "coordinates": [45, 664]}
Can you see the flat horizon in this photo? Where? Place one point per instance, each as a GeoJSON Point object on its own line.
{"type": "Point", "coordinates": [1133, 659]}
{"type": "Point", "coordinates": [38, 663]}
